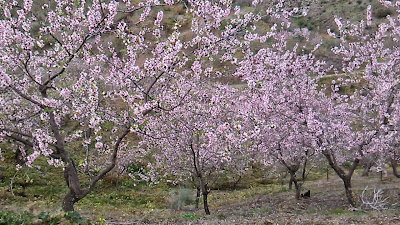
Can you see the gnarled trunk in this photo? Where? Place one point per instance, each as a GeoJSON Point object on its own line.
{"type": "Point", "coordinates": [298, 190]}
{"type": "Point", "coordinates": [202, 183]}
{"type": "Point", "coordinates": [327, 173]}
{"type": "Point", "coordinates": [76, 192]}
{"type": "Point", "coordinates": [292, 169]}
{"type": "Point", "coordinates": [346, 178]}
{"type": "Point", "coordinates": [303, 173]}
{"type": "Point", "coordinates": [68, 203]}
{"type": "Point", "coordinates": [73, 183]}
{"type": "Point", "coordinates": [236, 183]}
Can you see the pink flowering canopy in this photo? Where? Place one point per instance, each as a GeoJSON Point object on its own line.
{"type": "Point", "coordinates": [289, 115]}
{"type": "Point", "coordinates": [84, 79]}
{"type": "Point", "coordinates": [201, 137]}
{"type": "Point", "coordinates": [371, 61]}
{"type": "Point", "coordinates": [77, 77]}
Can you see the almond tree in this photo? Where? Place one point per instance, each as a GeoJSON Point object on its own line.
{"type": "Point", "coordinates": [294, 115]}
{"type": "Point", "coordinates": [77, 78]}
{"type": "Point", "coordinates": [195, 141]}
{"type": "Point", "coordinates": [276, 107]}
{"type": "Point", "coordinates": [288, 110]}
{"type": "Point", "coordinates": [371, 61]}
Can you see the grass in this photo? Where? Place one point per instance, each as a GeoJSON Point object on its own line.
{"type": "Point", "coordinates": [190, 216]}
{"type": "Point", "coordinates": [117, 198]}
{"type": "Point", "coordinates": [45, 217]}
{"type": "Point", "coordinates": [123, 201]}
{"type": "Point", "coordinates": [340, 211]}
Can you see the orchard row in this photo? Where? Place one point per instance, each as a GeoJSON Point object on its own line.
{"type": "Point", "coordinates": [117, 81]}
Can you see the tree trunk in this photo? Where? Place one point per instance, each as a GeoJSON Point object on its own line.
{"type": "Point", "coordinates": [327, 173]}
{"type": "Point", "coordinates": [206, 209]}
{"type": "Point", "coordinates": [298, 190]}
{"type": "Point", "coordinates": [197, 198]}
{"type": "Point", "coordinates": [205, 192]}
{"type": "Point", "coordinates": [346, 178]}
{"type": "Point", "coordinates": [349, 192]}
{"type": "Point", "coordinates": [202, 183]}
{"type": "Point", "coordinates": [291, 183]}
{"type": "Point", "coordinates": [296, 184]}
{"type": "Point", "coordinates": [367, 168]}
{"type": "Point", "coordinates": [73, 183]}
{"type": "Point", "coordinates": [366, 172]}
{"type": "Point", "coordinates": [72, 180]}
{"type": "Point", "coordinates": [68, 202]}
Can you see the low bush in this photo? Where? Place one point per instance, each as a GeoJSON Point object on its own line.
{"type": "Point", "coordinates": [180, 198]}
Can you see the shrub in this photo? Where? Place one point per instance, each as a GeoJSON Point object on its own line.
{"type": "Point", "coordinates": [180, 198]}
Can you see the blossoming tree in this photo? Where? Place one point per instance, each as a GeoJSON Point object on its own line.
{"type": "Point", "coordinates": [77, 77]}
{"type": "Point", "coordinates": [372, 63]}
{"type": "Point", "coordinates": [289, 111]}
{"type": "Point", "coordinates": [293, 114]}
{"type": "Point", "coordinates": [199, 141]}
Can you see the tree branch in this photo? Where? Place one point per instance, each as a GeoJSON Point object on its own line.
{"type": "Point", "coordinates": [113, 161]}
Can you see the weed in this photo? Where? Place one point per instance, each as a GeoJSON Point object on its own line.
{"type": "Point", "coordinates": [100, 221]}
{"type": "Point", "coordinates": [47, 218]}
{"type": "Point", "coordinates": [75, 217]}
{"type": "Point", "coordinates": [190, 216]}
{"type": "Point", "coordinates": [340, 211]}
{"type": "Point", "coordinates": [180, 198]}
{"type": "Point", "coordinates": [337, 212]}
{"type": "Point", "coordinates": [15, 218]}
{"type": "Point", "coordinates": [221, 216]}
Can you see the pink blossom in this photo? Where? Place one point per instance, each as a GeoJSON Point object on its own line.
{"type": "Point", "coordinates": [99, 145]}
{"type": "Point", "coordinates": [369, 15]}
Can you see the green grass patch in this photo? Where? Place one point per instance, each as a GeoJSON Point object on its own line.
{"type": "Point", "coordinates": [15, 218]}
{"type": "Point", "coordinates": [190, 216]}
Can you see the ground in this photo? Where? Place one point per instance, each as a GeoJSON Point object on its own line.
{"type": "Point", "coordinates": [255, 204]}
{"type": "Point", "coordinates": [326, 206]}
